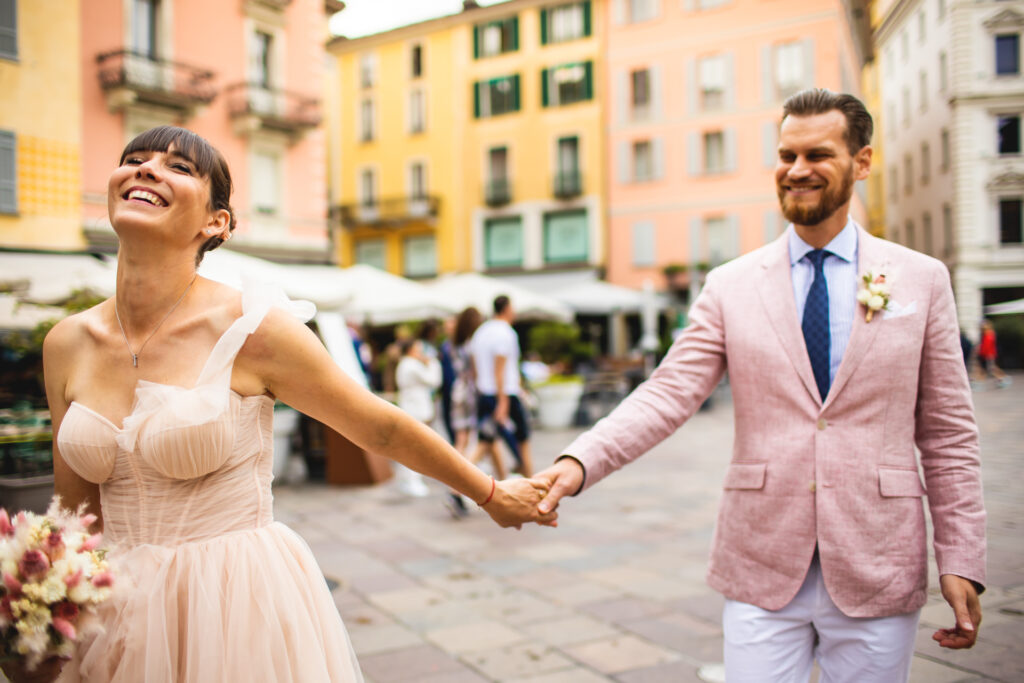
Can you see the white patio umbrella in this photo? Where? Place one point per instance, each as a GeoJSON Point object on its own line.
{"type": "Point", "coordinates": [473, 289]}
{"type": "Point", "coordinates": [380, 298]}
{"type": "Point", "coordinates": [50, 278]}
{"type": "Point", "coordinates": [1005, 308]}
{"type": "Point", "coordinates": [18, 315]}
{"type": "Point", "coordinates": [323, 285]}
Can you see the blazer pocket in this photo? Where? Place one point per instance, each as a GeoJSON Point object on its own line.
{"type": "Point", "coordinates": [894, 482]}
{"type": "Point", "coordinates": [745, 475]}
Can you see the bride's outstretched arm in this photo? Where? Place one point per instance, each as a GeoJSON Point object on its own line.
{"type": "Point", "coordinates": [295, 367]}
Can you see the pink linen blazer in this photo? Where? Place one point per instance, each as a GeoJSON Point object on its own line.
{"type": "Point", "coordinates": [843, 475]}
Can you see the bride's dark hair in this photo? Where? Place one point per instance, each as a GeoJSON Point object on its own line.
{"type": "Point", "coordinates": [204, 156]}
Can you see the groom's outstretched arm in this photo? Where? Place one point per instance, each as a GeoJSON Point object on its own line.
{"type": "Point", "coordinates": [681, 383]}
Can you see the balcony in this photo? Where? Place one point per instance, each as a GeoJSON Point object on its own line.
{"type": "Point", "coordinates": [129, 77]}
{"type": "Point", "coordinates": [253, 108]}
{"type": "Point", "coordinates": [388, 213]}
{"type": "Point", "coordinates": [568, 184]}
{"type": "Point", "coordinates": [497, 192]}
{"type": "Point", "coordinates": [279, 5]}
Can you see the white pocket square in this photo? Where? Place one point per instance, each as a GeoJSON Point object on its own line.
{"type": "Point", "coordinates": [896, 311]}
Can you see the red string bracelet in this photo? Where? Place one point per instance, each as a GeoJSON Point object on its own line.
{"type": "Point", "coordinates": [494, 485]}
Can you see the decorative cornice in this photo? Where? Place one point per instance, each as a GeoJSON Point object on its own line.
{"type": "Point", "coordinates": [1008, 180]}
{"type": "Point", "coordinates": [1009, 18]}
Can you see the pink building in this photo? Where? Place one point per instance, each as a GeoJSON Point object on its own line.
{"type": "Point", "coordinates": [694, 101]}
{"type": "Point", "coordinates": [247, 75]}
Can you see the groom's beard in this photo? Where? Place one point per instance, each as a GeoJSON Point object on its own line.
{"type": "Point", "coordinates": [832, 198]}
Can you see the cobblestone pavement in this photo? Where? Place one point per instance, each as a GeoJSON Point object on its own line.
{"type": "Point", "coordinates": [617, 592]}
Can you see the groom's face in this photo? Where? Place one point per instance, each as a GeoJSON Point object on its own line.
{"type": "Point", "coordinates": [815, 171]}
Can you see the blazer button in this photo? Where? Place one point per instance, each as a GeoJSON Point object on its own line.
{"type": "Point", "coordinates": [813, 487]}
{"type": "Point", "coordinates": [822, 424]}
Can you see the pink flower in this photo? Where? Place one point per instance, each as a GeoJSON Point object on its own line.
{"type": "Point", "coordinates": [5, 608]}
{"type": "Point", "coordinates": [54, 545]}
{"type": "Point", "coordinates": [6, 529]}
{"type": "Point", "coordinates": [72, 580]}
{"type": "Point", "coordinates": [103, 580]}
{"type": "Point", "coordinates": [13, 585]}
{"type": "Point", "coordinates": [65, 609]}
{"type": "Point", "coordinates": [33, 563]}
{"type": "Point", "coordinates": [92, 542]}
{"type": "Point", "coordinates": [64, 627]}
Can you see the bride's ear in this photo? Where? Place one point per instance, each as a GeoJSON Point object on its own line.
{"type": "Point", "coordinates": [219, 225]}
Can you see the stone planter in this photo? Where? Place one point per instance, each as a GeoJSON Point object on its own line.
{"type": "Point", "coordinates": [557, 403]}
{"type": "Point", "coordinates": [26, 493]}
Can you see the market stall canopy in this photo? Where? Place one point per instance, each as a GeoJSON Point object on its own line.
{"type": "Point", "coordinates": [587, 295]}
{"type": "Point", "coordinates": [1006, 308]}
{"type": "Point", "coordinates": [51, 278]}
{"type": "Point", "coordinates": [323, 285]}
{"type": "Point", "coordinates": [380, 298]}
{"type": "Point", "coordinates": [473, 289]}
{"type": "Point", "coordinates": [18, 315]}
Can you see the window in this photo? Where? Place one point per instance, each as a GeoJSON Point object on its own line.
{"type": "Point", "coordinates": [643, 244]}
{"type": "Point", "coordinates": [416, 61]}
{"type": "Point", "coordinates": [496, 96]}
{"type": "Point", "coordinates": [642, 10]}
{"type": "Point", "coordinates": [261, 48]}
{"type": "Point", "coordinates": [1007, 55]}
{"type": "Point", "coordinates": [367, 71]}
{"type": "Point", "coordinates": [503, 242]}
{"type": "Point", "coordinates": [1010, 221]}
{"type": "Point", "coordinates": [497, 191]}
{"type": "Point", "coordinates": [367, 187]}
{"type": "Point", "coordinates": [417, 180]}
{"type": "Point", "coordinates": [265, 184]}
{"type": "Point", "coordinates": [8, 29]}
{"type": "Point", "coordinates": [144, 27]}
{"type": "Point", "coordinates": [908, 174]}
{"type": "Point", "coordinates": [497, 158]}
{"type": "Point", "coordinates": [419, 256]}
{"type": "Point", "coordinates": [565, 23]}
{"type": "Point", "coordinates": [923, 78]}
{"type": "Point", "coordinates": [921, 21]}
{"type": "Point", "coordinates": [8, 172]}
{"type": "Point", "coordinates": [714, 152]}
{"type": "Point", "coordinates": [565, 237]}
{"type": "Point", "coordinates": [417, 115]}
{"type": "Point", "coordinates": [906, 107]}
{"type": "Point", "coordinates": [789, 69]}
{"type": "Point", "coordinates": [719, 240]}
{"type": "Point", "coordinates": [947, 229]}
{"type": "Point", "coordinates": [569, 155]}
{"type": "Point", "coordinates": [894, 183]}
{"type": "Point", "coordinates": [567, 84]}
{"type": "Point", "coordinates": [496, 37]}
{"type": "Point", "coordinates": [943, 73]}
{"type": "Point", "coordinates": [372, 253]}
{"type": "Point", "coordinates": [643, 161]}
{"type": "Point", "coordinates": [891, 130]}
{"type": "Point", "coordinates": [640, 98]}
{"type": "Point", "coordinates": [1009, 134]}
{"type": "Point", "coordinates": [942, 8]}
{"type": "Point", "coordinates": [904, 45]}
{"type": "Point", "coordinates": [944, 144]}
{"type": "Point", "coordinates": [926, 234]}
{"type": "Point", "coordinates": [711, 4]}
{"type": "Point", "coordinates": [366, 120]}
{"type": "Point", "coordinates": [926, 163]}
{"type": "Point", "coordinates": [712, 82]}
{"type": "Point", "coordinates": [910, 238]}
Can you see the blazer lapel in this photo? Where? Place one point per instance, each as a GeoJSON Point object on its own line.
{"type": "Point", "coordinates": [776, 292]}
{"type": "Point", "coordinates": [863, 333]}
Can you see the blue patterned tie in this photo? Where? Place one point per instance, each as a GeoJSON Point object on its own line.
{"type": "Point", "coordinates": [815, 323]}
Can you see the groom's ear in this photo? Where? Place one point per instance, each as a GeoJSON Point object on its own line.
{"type": "Point", "coordinates": [862, 162]}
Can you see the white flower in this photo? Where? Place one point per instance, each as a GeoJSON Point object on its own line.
{"type": "Point", "coordinates": [876, 303]}
{"type": "Point", "coordinates": [863, 296]}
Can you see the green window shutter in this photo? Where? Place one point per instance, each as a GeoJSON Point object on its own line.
{"type": "Point", "coordinates": [476, 100]}
{"type": "Point", "coordinates": [476, 42]}
{"type": "Point", "coordinates": [8, 173]}
{"type": "Point", "coordinates": [515, 34]}
{"type": "Point", "coordinates": [586, 18]}
{"type": "Point", "coordinates": [588, 80]}
{"type": "Point", "coordinates": [543, 27]}
{"type": "Point", "coordinates": [544, 99]}
{"type": "Point", "coordinates": [515, 93]}
{"type": "Point", "coordinates": [8, 29]}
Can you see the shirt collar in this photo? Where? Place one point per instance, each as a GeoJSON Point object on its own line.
{"type": "Point", "coordinates": [843, 245]}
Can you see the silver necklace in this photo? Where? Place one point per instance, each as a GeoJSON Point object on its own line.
{"type": "Point", "coordinates": [135, 355]}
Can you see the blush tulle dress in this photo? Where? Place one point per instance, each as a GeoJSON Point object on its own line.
{"type": "Point", "coordinates": [210, 587]}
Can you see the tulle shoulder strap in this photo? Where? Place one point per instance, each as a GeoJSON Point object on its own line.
{"type": "Point", "coordinates": [257, 299]}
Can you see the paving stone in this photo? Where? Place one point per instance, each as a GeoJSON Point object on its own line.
{"type": "Point", "coordinates": [474, 636]}
{"type": "Point", "coordinates": [524, 659]}
{"type": "Point", "coordinates": [620, 653]}
{"type": "Point", "coordinates": [923, 670]}
{"type": "Point", "coordinates": [674, 672]}
{"type": "Point", "coordinates": [573, 675]}
{"type": "Point", "coordinates": [367, 640]}
{"type": "Point", "coordinates": [569, 630]}
{"type": "Point", "coordinates": [406, 600]}
{"type": "Point", "coordinates": [411, 664]}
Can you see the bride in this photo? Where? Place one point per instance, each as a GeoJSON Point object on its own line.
{"type": "Point", "coordinates": [162, 399]}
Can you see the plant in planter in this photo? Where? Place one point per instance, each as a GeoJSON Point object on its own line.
{"type": "Point", "coordinates": [558, 398]}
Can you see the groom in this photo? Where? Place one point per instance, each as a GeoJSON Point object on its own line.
{"type": "Point", "coordinates": [820, 546]}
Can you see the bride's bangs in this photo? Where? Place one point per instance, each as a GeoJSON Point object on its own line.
{"type": "Point", "coordinates": [186, 143]}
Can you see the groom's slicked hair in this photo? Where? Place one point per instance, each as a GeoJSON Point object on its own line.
{"type": "Point", "coordinates": [859, 124]}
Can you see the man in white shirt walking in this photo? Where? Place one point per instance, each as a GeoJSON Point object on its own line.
{"type": "Point", "coordinates": [495, 349]}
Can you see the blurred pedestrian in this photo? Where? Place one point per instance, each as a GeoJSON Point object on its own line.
{"type": "Point", "coordinates": [987, 356]}
{"type": "Point", "coordinates": [417, 376]}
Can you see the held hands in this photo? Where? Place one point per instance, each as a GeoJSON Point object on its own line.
{"type": "Point", "coordinates": [516, 501]}
{"type": "Point", "coordinates": [564, 478]}
{"type": "Point", "coordinates": [963, 598]}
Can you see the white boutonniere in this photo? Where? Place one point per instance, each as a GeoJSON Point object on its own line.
{"type": "Point", "coordinates": [874, 293]}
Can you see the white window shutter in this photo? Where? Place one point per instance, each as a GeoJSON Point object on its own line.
{"type": "Point", "coordinates": [624, 163]}
{"type": "Point", "coordinates": [734, 237]}
{"type": "Point", "coordinates": [769, 143]}
{"type": "Point", "coordinates": [655, 76]}
{"type": "Point", "coordinates": [691, 86]}
{"type": "Point", "coordinates": [620, 11]}
{"type": "Point", "coordinates": [622, 96]}
{"type": "Point", "coordinates": [771, 225]}
{"type": "Point", "coordinates": [643, 244]}
{"type": "Point", "coordinates": [696, 242]}
{"type": "Point", "coordinates": [767, 75]}
{"type": "Point", "coordinates": [658, 152]}
{"type": "Point", "coordinates": [729, 67]}
{"type": "Point", "coordinates": [689, 5]}
{"type": "Point", "coordinates": [810, 78]}
{"type": "Point", "coordinates": [730, 153]}
{"type": "Point", "coordinates": [693, 154]}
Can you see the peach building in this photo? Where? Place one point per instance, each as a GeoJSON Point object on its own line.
{"type": "Point", "coordinates": [248, 75]}
{"type": "Point", "coordinates": [694, 102]}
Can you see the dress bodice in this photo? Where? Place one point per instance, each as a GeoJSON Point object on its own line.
{"type": "Point", "coordinates": [188, 463]}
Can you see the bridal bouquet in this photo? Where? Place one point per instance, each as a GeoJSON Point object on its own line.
{"type": "Point", "coordinates": [53, 577]}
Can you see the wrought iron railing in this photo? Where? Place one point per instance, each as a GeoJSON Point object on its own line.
{"type": "Point", "coordinates": [157, 81]}
{"type": "Point", "coordinates": [498, 192]}
{"type": "Point", "coordinates": [279, 109]}
{"type": "Point", "coordinates": [392, 211]}
{"type": "Point", "coordinates": [568, 184]}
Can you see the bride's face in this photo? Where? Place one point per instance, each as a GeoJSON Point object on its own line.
{"type": "Point", "coordinates": [159, 193]}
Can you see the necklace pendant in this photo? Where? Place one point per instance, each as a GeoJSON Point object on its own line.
{"type": "Point", "coordinates": [135, 360]}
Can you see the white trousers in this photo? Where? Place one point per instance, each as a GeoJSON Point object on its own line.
{"type": "Point", "coordinates": [762, 646]}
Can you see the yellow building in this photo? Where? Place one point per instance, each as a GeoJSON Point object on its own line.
{"type": "Point", "coordinates": [40, 125]}
{"type": "Point", "coordinates": [472, 142]}
{"type": "Point", "coordinates": [872, 92]}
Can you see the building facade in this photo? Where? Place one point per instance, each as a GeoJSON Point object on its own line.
{"type": "Point", "coordinates": [473, 142]}
{"type": "Point", "coordinates": [246, 75]}
{"type": "Point", "coordinates": [40, 125]}
{"type": "Point", "coordinates": [953, 96]}
{"type": "Point", "coordinates": [694, 100]}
